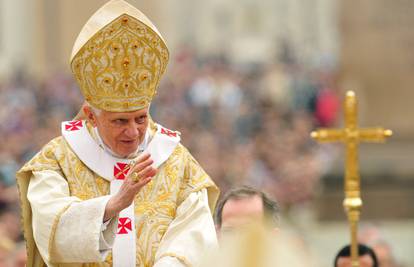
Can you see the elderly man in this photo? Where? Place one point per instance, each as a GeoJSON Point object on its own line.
{"type": "Point", "coordinates": [116, 188]}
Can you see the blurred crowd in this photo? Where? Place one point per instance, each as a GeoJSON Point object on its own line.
{"type": "Point", "coordinates": [246, 124]}
{"type": "Point", "coordinates": [30, 113]}
{"type": "Point", "coordinates": [250, 124]}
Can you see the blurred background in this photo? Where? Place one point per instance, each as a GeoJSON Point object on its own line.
{"type": "Point", "coordinates": [247, 82]}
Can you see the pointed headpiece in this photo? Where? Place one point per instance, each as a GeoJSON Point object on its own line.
{"type": "Point", "coordinates": [119, 58]}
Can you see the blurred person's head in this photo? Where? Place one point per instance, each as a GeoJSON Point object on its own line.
{"type": "Point", "coordinates": [367, 257]}
{"type": "Point", "coordinates": [6, 248]}
{"type": "Point", "coordinates": [19, 257]}
{"type": "Point", "coordinates": [384, 254]}
{"type": "Point", "coordinates": [254, 246]}
{"type": "Point", "coordinates": [3, 257]}
{"type": "Point", "coordinates": [245, 205]}
{"type": "Point", "coordinates": [373, 236]}
{"type": "Point", "coordinates": [10, 222]}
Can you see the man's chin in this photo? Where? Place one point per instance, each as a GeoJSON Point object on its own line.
{"type": "Point", "coordinates": [125, 152]}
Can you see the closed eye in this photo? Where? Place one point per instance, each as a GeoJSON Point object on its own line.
{"type": "Point", "coordinates": [120, 121]}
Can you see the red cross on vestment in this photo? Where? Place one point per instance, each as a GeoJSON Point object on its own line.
{"type": "Point", "coordinates": [121, 170]}
{"type": "Point", "coordinates": [124, 225]}
{"type": "Point", "coordinates": [168, 132]}
{"type": "Point", "coordinates": [73, 125]}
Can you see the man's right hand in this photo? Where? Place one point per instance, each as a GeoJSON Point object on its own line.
{"type": "Point", "coordinates": [129, 187]}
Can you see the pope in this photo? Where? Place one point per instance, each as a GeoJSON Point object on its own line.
{"type": "Point", "coordinates": [116, 188]}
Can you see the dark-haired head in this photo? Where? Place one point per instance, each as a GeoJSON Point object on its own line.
{"type": "Point", "coordinates": [270, 207]}
{"type": "Point", "coordinates": [363, 251]}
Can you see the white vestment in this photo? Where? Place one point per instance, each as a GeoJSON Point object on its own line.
{"type": "Point", "coordinates": [69, 230]}
{"type": "Point", "coordinates": [79, 238]}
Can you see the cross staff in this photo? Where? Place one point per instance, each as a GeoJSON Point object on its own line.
{"type": "Point", "coordinates": [351, 135]}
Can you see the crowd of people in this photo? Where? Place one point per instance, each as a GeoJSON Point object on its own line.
{"type": "Point", "coordinates": [245, 124]}
{"type": "Point", "coordinates": [250, 124]}
{"type": "Point", "coordinates": [31, 112]}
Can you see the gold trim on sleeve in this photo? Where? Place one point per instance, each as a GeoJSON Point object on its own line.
{"type": "Point", "coordinates": [182, 259]}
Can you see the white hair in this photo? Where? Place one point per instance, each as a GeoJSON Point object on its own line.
{"type": "Point", "coordinates": [98, 111]}
{"type": "Point", "coordinates": [95, 111]}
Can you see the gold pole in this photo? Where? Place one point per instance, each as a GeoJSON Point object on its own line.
{"type": "Point", "coordinates": [351, 135]}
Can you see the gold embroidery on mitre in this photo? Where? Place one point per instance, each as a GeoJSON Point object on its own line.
{"type": "Point", "coordinates": [119, 68]}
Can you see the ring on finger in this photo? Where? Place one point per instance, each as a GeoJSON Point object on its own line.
{"type": "Point", "coordinates": [135, 177]}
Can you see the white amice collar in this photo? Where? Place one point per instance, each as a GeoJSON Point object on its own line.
{"type": "Point", "coordinates": [100, 159]}
{"type": "Point", "coordinates": [139, 150]}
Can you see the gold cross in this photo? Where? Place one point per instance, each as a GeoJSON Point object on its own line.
{"type": "Point", "coordinates": [351, 135]}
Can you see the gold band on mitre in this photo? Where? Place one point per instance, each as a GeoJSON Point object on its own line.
{"type": "Point", "coordinates": [119, 58]}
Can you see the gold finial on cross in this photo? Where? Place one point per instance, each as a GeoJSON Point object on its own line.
{"type": "Point", "coordinates": [351, 135]}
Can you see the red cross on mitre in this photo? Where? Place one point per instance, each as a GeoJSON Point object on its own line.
{"type": "Point", "coordinates": [124, 225]}
{"type": "Point", "coordinates": [168, 132]}
{"type": "Point", "coordinates": [121, 170]}
{"type": "Point", "coordinates": [73, 125]}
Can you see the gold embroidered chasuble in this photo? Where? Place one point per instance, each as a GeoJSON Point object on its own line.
{"type": "Point", "coordinates": [155, 205]}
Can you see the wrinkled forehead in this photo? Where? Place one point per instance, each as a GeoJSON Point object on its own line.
{"type": "Point", "coordinates": [129, 114]}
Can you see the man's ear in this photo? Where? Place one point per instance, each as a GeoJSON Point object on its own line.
{"type": "Point", "coordinates": [90, 116]}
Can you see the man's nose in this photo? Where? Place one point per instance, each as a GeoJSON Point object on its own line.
{"type": "Point", "coordinates": [132, 130]}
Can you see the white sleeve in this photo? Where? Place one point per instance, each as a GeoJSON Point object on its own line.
{"type": "Point", "coordinates": [65, 228]}
{"type": "Point", "coordinates": [189, 235]}
{"type": "Point", "coordinates": [106, 239]}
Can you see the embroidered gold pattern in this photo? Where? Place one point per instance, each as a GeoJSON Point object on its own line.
{"type": "Point", "coordinates": [180, 258]}
{"type": "Point", "coordinates": [120, 67]}
{"type": "Point", "coordinates": [155, 205]}
{"type": "Point", "coordinates": [53, 231]}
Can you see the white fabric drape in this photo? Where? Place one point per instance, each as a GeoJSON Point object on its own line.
{"type": "Point", "coordinates": [81, 236]}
